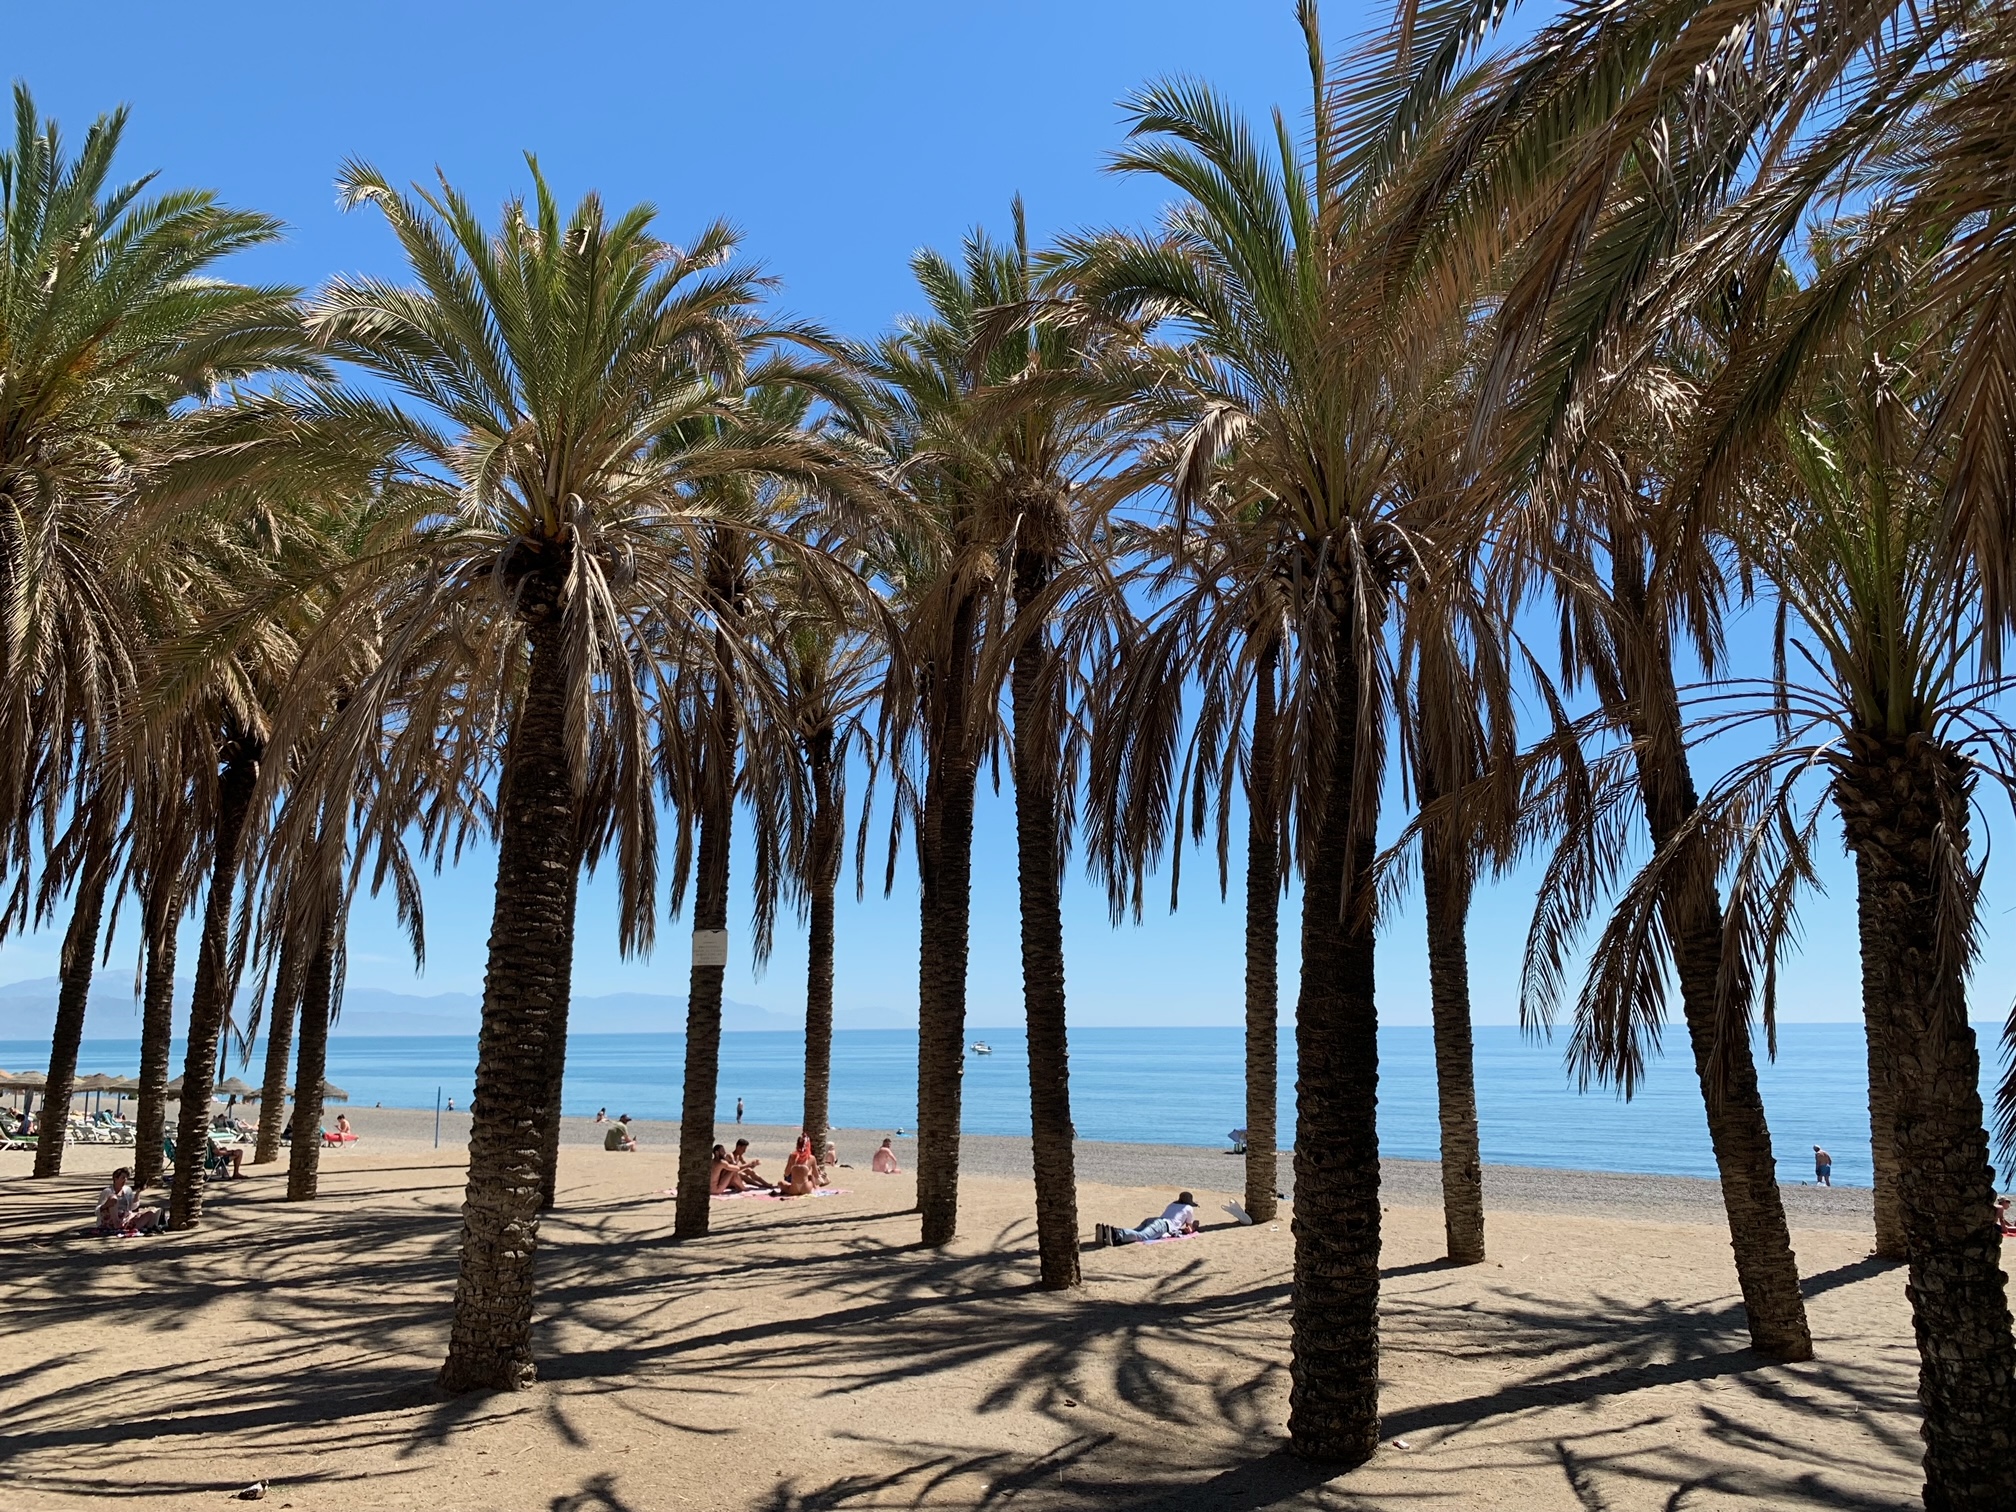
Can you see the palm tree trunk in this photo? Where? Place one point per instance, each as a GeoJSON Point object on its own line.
{"type": "Point", "coordinates": [279, 1047]}
{"type": "Point", "coordinates": [1445, 887]}
{"type": "Point", "coordinates": [1890, 1244]}
{"type": "Point", "coordinates": [710, 972]}
{"type": "Point", "coordinates": [824, 861]}
{"type": "Point", "coordinates": [80, 951]}
{"type": "Point", "coordinates": [1904, 800]}
{"type": "Point", "coordinates": [945, 867]}
{"type": "Point", "coordinates": [311, 1070]}
{"type": "Point", "coordinates": [490, 1341]}
{"type": "Point", "coordinates": [1333, 1411]}
{"type": "Point", "coordinates": [157, 1029]}
{"type": "Point", "coordinates": [1039, 862]}
{"type": "Point", "coordinates": [210, 1000]}
{"type": "Point", "coordinates": [1263, 947]}
{"type": "Point", "coordinates": [549, 1180]}
{"type": "Point", "coordinates": [1766, 1268]}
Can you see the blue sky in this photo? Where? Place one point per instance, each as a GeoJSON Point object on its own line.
{"type": "Point", "coordinates": [839, 139]}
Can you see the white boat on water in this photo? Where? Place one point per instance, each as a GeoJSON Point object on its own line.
{"type": "Point", "coordinates": [981, 1047]}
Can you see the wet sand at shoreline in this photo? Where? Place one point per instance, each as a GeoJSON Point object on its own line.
{"type": "Point", "coordinates": [809, 1355]}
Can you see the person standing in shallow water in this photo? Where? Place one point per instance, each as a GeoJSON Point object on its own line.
{"type": "Point", "coordinates": [738, 1110]}
{"type": "Point", "coordinates": [1823, 1167]}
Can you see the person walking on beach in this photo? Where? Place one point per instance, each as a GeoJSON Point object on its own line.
{"type": "Point", "coordinates": [1179, 1218]}
{"type": "Point", "coordinates": [1823, 1167]}
{"type": "Point", "coordinates": [738, 1110]}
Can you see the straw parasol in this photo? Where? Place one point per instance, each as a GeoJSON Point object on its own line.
{"type": "Point", "coordinates": [235, 1088]}
{"type": "Point", "coordinates": [330, 1093]}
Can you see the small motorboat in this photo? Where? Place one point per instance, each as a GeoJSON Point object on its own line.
{"type": "Point", "coordinates": [981, 1047]}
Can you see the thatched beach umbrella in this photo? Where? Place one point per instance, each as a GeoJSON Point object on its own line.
{"type": "Point", "coordinates": [333, 1093]}
{"type": "Point", "coordinates": [97, 1082]}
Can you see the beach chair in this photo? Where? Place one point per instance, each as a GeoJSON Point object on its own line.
{"type": "Point", "coordinates": [218, 1167]}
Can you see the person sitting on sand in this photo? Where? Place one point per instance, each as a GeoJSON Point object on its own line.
{"type": "Point", "coordinates": [1180, 1217]}
{"type": "Point", "coordinates": [830, 1157]}
{"type": "Point", "coordinates": [802, 1175]}
{"type": "Point", "coordinates": [885, 1160]}
{"type": "Point", "coordinates": [2002, 1219]}
{"type": "Point", "coordinates": [619, 1136]}
{"type": "Point", "coordinates": [119, 1212]}
{"type": "Point", "coordinates": [722, 1177]}
{"type": "Point", "coordinates": [601, 1115]}
{"type": "Point", "coordinates": [746, 1164]}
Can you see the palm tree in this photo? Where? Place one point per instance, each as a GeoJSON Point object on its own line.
{"type": "Point", "coordinates": [1632, 575]}
{"type": "Point", "coordinates": [1301, 361]}
{"type": "Point", "coordinates": [940, 571]}
{"type": "Point", "coordinates": [1846, 518]}
{"type": "Point", "coordinates": [827, 672]}
{"type": "Point", "coordinates": [1222, 595]}
{"type": "Point", "coordinates": [111, 324]}
{"type": "Point", "coordinates": [91, 844]}
{"type": "Point", "coordinates": [544, 550]}
{"type": "Point", "coordinates": [730, 712]}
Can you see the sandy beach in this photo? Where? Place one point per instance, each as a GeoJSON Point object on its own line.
{"type": "Point", "coordinates": [808, 1355]}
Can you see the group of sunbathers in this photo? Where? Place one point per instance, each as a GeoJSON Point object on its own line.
{"type": "Point", "coordinates": [736, 1171]}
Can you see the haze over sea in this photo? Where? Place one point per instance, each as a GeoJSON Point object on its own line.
{"type": "Point", "coordinates": [1168, 1086]}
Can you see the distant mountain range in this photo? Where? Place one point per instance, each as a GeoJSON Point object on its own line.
{"type": "Point", "coordinates": [28, 1012]}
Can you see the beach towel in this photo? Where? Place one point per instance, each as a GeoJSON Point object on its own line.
{"type": "Point", "coordinates": [768, 1196]}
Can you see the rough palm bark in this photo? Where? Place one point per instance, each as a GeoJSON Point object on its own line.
{"type": "Point", "coordinates": [1767, 1270]}
{"type": "Point", "coordinates": [1889, 1211]}
{"type": "Point", "coordinates": [1263, 944]}
{"type": "Point", "coordinates": [703, 1000]}
{"type": "Point", "coordinates": [157, 1027]}
{"type": "Point", "coordinates": [945, 876]}
{"type": "Point", "coordinates": [1333, 1403]}
{"type": "Point", "coordinates": [490, 1340]}
{"type": "Point", "coordinates": [210, 999]}
{"type": "Point", "coordinates": [1039, 862]}
{"type": "Point", "coordinates": [80, 951]}
{"type": "Point", "coordinates": [1904, 802]}
{"type": "Point", "coordinates": [279, 1047]}
{"type": "Point", "coordinates": [304, 1156]}
{"type": "Point", "coordinates": [824, 863]}
{"type": "Point", "coordinates": [1445, 887]}
{"type": "Point", "coordinates": [556, 1070]}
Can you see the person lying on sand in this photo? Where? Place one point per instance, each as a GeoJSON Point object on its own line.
{"type": "Point", "coordinates": [119, 1212]}
{"type": "Point", "coordinates": [619, 1136]}
{"type": "Point", "coordinates": [885, 1160]}
{"type": "Point", "coordinates": [1180, 1217]}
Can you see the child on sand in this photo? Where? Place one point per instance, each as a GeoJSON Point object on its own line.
{"type": "Point", "coordinates": [1180, 1217]}
{"type": "Point", "coordinates": [119, 1215]}
{"type": "Point", "coordinates": [885, 1160]}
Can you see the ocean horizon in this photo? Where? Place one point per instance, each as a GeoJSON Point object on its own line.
{"type": "Point", "coordinates": [1167, 1086]}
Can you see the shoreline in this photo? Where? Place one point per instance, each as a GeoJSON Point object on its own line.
{"type": "Point", "coordinates": [1403, 1182]}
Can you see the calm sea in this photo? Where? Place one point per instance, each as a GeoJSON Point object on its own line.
{"type": "Point", "coordinates": [1170, 1086]}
